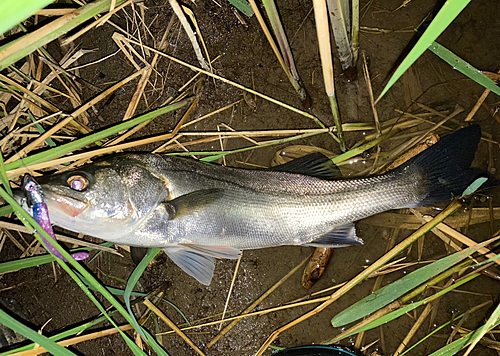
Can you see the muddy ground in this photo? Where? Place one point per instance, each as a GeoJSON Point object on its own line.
{"type": "Point", "coordinates": [246, 58]}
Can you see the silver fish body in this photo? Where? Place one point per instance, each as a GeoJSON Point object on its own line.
{"type": "Point", "coordinates": [197, 211]}
{"type": "Point", "coordinates": [257, 209]}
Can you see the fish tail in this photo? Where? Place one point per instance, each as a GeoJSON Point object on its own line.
{"type": "Point", "coordinates": [444, 169]}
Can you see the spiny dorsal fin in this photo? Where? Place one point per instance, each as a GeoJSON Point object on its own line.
{"type": "Point", "coordinates": [313, 165]}
{"type": "Point", "coordinates": [192, 203]}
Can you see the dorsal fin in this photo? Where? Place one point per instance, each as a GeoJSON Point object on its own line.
{"type": "Point", "coordinates": [313, 165]}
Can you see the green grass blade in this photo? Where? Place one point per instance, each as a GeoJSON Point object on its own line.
{"type": "Point", "coordinates": [457, 345]}
{"type": "Point", "coordinates": [463, 67]}
{"type": "Point", "coordinates": [4, 210]}
{"type": "Point", "coordinates": [243, 6]}
{"type": "Point", "coordinates": [132, 281]}
{"type": "Point", "coordinates": [57, 152]}
{"type": "Point", "coordinates": [28, 262]}
{"type": "Point", "coordinates": [446, 15]}
{"type": "Point", "coordinates": [30, 42]}
{"type": "Point", "coordinates": [31, 334]}
{"type": "Point", "coordinates": [13, 12]}
{"type": "Point", "coordinates": [480, 306]}
{"type": "Point", "coordinates": [393, 291]}
{"type": "Point", "coordinates": [41, 130]}
{"type": "Point", "coordinates": [479, 333]}
{"type": "Point", "coordinates": [3, 176]}
{"type": "Point", "coordinates": [401, 311]}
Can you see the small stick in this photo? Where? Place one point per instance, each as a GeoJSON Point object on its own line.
{"type": "Point", "coordinates": [257, 302]}
{"type": "Point", "coordinates": [414, 329]}
{"type": "Point", "coordinates": [174, 327]}
{"type": "Point", "coordinates": [370, 92]}
{"type": "Point", "coordinates": [230, 291]}
{"type": "Point", "coordinates": [479, 102]}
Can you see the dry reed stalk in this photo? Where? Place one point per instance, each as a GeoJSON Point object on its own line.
{"type": "Point", "coordinates": [363, 275]}
{"type": "Point", "coordinates": [73, 115]}
{"type": "Point", "coordinates": [192, 37]}
{"type": "Point", "coordinates": [53, 12]}
{"type": "Point", "coordinates": [462, 238]}
{"type": "Point", "coordinates": [211, 114]}
{"type": "Point", "coordinates": [478, 104]}
{"type": "Point", "coordinates": [198, 31]}
{"type": "Point", "coordinates": [63, 238]}
{"type": "Point", "coordinates": [96, 23]}
{"type": "Point", "coordinates": [323, 33]}
{"type": "Point", "coordinates": [29, 93]}
{"type": "Point", "coordinates": [370, 92]}
{"type": "Point", "coordinates": [141, 86]}
{"type": "Point", "coordinates": [227, 81]}
{"type": "Point", "coordinates": [76, 340]}
{"type": "Point", "coordinates": [288, 66]}
{"type": "Point", "coordinates": [355, 29]}
{"type": "Point", "coordinates": [416, 326]}
{"type": "Point", "coordinates": [270, 39]}
{"type": "Point", "coordinates": [230, 291]}
{"type": "Point", "coordinates": [256, 303]}
{"type": "Point", "coordinates": [174, 327]}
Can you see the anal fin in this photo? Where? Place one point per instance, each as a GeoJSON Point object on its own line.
{"type": "Point", "coordinates": [340, 236]}
{"type": "Point", "coordinates": [138, 253]}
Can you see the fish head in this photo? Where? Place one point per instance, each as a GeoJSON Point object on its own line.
{"type": "Point", "coordinates": [106, 199]}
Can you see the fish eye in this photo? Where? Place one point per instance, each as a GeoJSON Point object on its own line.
{"type": "Point", "coordinates": [78, 182]}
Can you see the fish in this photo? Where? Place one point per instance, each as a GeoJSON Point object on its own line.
{"type": "Point", "coordinates": [197, 212]}
{"type": "Point", "coordinates": [40, 212]}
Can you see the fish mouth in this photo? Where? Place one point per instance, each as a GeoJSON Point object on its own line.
{"type": "Point", "coordinates": [66, 204]}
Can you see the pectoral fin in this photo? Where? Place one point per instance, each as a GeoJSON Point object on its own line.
{"type": "Point", "coordinates": [340, 236]}
{"type": "Point", "coordinates": [194, 263]}
{"type": "Point", "coordinates": [192, 203]}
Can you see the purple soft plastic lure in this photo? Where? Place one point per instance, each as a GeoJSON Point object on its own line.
{"type": "Point", "coordinates": [33, 193]}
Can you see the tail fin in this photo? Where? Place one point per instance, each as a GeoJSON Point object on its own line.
{"type": "Point", "coordinates": [445, 167]}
